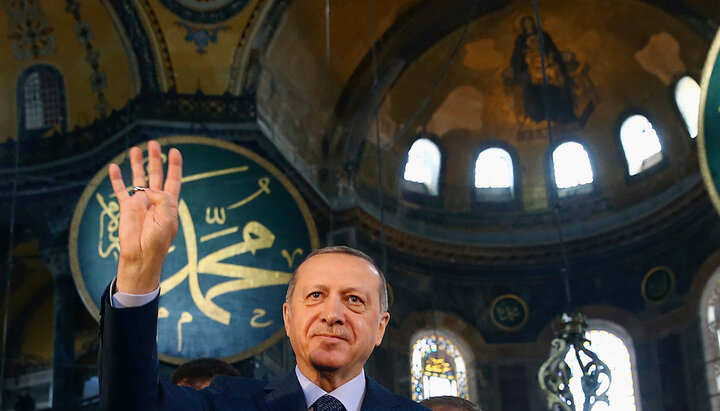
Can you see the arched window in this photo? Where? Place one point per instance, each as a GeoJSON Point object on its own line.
{"type": "Point", "coordinates": [423, 167]}
{"type": "Point", "coordinates": [438, 367]}
{"type": "Point", "coordinates": [640, 143]}
{"type": "Point", "coordinates": [41, 102]}
{"type": "Point", "coordinates": [710, 315]}
{"type": "Point", "coordinates": [573, 172]}
{"type": "Point", "coordinates": [494, 176]}
{"type": "Point", "coordinates": [687, 98]}
{"type": "Point", "coordinates": [614, 352]}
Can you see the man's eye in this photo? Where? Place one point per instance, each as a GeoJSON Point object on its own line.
{"type": "Point", "coordinates": [354, 299]}
{"type": "Point", "coordinates": [315, 295]}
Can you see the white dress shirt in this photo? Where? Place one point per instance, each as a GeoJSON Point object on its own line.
{"type": "Point", "coordinates": [350, 394]}
{"type": "Point", "coordinates": [124, 300]}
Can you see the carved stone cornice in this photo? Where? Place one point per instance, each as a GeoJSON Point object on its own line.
{"type": "Point", "coordinates": [689, 213]}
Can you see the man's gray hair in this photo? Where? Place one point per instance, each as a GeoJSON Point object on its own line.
{"type": "Point", "coordinates": [341, 249]}
{"type": "Point", "coordinates": [446, 402]}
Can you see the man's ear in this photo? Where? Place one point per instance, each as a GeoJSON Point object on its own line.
{"type": "Point", "coordinates": [384, 319]}
{"type": "Point", "coordinates": [286, 318]}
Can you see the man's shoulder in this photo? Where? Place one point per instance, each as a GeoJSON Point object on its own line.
{"type": "Point", "coordinates": [228, 390]}
{"type": "Point", "coordinates": [229, 383]}
{"type": "Point", "coordinates": [379, 397]}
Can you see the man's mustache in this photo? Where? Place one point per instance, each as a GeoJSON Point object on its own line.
{"type": "Point", "coordinates": [338, 332]}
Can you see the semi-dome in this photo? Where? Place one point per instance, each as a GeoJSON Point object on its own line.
{"type": "Point", "coordinates": [455, 80]}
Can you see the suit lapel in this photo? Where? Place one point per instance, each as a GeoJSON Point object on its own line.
{"type": "Point", "coordinates": [377, 397]}
{"type": "Point", "coordinates": [284, 394]}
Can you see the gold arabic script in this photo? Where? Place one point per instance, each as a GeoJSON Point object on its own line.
{"type": "Point", "coordinates": [255, 237]}
{"type": "Point", "coordinates": [111, 214]}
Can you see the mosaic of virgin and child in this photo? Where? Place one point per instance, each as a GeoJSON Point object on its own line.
{"type": "Point", "coordinates": [569, 92]}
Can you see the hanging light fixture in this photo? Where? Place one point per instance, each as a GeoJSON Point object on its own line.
{"type": "Point", "coordinates": [555, 373]}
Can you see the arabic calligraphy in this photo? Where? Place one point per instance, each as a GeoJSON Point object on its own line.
{"type": "Point", "coordinates": [264, 184]}
{"type": "Point", "coordinates": [259, 312]}
{"type": "Point", "coordinates": [438, 365]}
{"type": "Point", "coordinates": [291, 257]}
{"type": "Point", "coordinates": [217, 217]}
{"type": "Point", "coordinates": [508, 313]}
{"type": "Point", "coordinates": [185, 317]}
{"type": "Point", "coordinates": [218, 234]}
{"type": "Point", "coordinates": [111, 212]}
{"type": "Point", "coordinates": [243, 227]}
{"type": "Point", "coordinates": [255, 237]}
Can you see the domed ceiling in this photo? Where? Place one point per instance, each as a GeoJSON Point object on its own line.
{"type": "Point", "coordinates": [444, 70]}
{"type": "Point", "coordinates": [449, 72]}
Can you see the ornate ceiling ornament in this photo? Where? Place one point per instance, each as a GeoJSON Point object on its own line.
{"type": "Point", "coordinates": [201, 36]}
{"type": "Point", "coordinates": [30, 31]}
{"type": "Point", "coordinates": [85, 36]}
{"type": "Point", "coordinates": [205, 11]}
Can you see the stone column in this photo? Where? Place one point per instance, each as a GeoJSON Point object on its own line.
{"type": "Point", "coordinates": [65, 388]}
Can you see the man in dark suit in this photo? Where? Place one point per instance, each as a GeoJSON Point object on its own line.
{"type": "Point", "coordinates": [335, 314]}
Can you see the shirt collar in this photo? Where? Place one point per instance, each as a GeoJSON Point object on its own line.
{"type": "Point", "coordinates": [350, 394]}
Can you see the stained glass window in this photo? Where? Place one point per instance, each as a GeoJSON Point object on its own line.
{"type": "Point", "coordinates": [438, 368]}
{"type": "Point", "coordinates": [423, 165]}
{"type": "Point", "coordinates": [641, 144]}
{"type": "Point", "coordinates": [687, 98]}
{"type": "Point", "coordinates": [573, 172]}
{"type": "Point", "coordinates": [710, 310]}
{"type": "Point", "coordinates": [612, 351]}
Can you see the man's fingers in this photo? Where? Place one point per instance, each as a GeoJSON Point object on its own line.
{"type": "Point", "coordinates": [174, 173]}
{"type": "Point", "coordinates": [117, 182]}
{"type": "Point", "coordinates": [136, 164]}
{"type": "Point", "coordinates": [162, 204]}
{"type": "Point", "coordinates": [155, 171]}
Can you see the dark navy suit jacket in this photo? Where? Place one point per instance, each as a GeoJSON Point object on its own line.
{"type": "Point", "coordinates": [128, 370]}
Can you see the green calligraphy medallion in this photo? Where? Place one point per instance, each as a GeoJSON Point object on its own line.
{"type": "Point", "coordinates": [709, 123]}
{"type": "Point", "coordinates": [243, 229]}
{"type": "Point", "coordinates": [509, 312]}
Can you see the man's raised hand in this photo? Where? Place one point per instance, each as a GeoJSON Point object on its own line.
{"type": "Point", "coordinates": [148, 219]}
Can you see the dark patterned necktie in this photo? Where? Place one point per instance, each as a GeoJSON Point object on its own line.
{"type": "Point", "coordinates": [328, 403]}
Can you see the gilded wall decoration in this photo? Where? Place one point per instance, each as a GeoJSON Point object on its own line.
{"type": "Point", "coordinates": [657, 285]}
{"type": "Point", "coordinates": [30, 31]}
{"type": "Point", "coordinates": [509, 312]}
{"type": "Point", "coordinates": [140, 41]}
{"type": "Point", "coordinates": [205, 11]}
{"type": "Point", "coordinates": [570, 95]}
{"type": "Point", "coordinates": [85, 37]}
{"type": "Point", "coordinates": [202, 37]}
{"type": "Point", "coordinates": [241, 57]}
{"type": "Point", "coordinates": [166, 68]}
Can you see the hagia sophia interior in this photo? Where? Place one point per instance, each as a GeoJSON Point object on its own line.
{"type": "Point", "coordinates": [505, 162]}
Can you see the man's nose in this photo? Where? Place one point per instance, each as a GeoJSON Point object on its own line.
{"type": "Point", "coordinates": [333, 310]}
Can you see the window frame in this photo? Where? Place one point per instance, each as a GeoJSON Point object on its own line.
{"type": "Point", "coordinates": [711, 354]}
{"type": "Point", "coordinates": [513, 204]}
{"type": "Point", "coordinates": [629, 341]}
{"type": "Point", "coordinates": [460, 345]}
{"type": "Point", "coordinates": [407, 192]}
{"type": "Point", "coordinates": [553, 190]}
{"type": "Point", "coordinates": [673, 84]}
{"type": "Point", "coordinates": [661, 132]}
{"type": "Point", "coordinates": [22, 131]}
